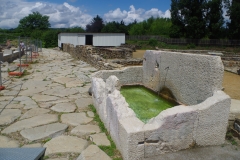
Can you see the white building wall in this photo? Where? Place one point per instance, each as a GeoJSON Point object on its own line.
{"type": "Point", "coordinates": [108, 39]}
{"type": "Point", "coordinates": [71, 38]}
{"type": "Point", "coordinates": [99, 39]}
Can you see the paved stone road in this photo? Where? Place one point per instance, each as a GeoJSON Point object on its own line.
{"type": "Point", "coordinates": [51, 109]}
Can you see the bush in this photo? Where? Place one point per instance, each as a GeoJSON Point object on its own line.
{"type": "Point", "coordinates": [50, 39]}
{"type": "Point", "coordinates": [191, 45]}
{"type": "Point", "coordinates": [152, 42]}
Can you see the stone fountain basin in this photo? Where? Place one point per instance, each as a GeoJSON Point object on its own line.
{"type": "Point", "coordinates": [201, 122]}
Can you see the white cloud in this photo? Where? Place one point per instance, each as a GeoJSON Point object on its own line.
{"type": "Point", "coordinates": [135, 14]}
{"type": "Point", "coordinates": [66, 15]}
{"type": "Point", "coordinates": [60, 15]}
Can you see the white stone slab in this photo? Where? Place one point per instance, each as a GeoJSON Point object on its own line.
{"type": "Point", "coordinates": [75, 119]}
{"type": "Point", "coordinates": [31, 122]}
{"type": "Point", "coordinates": [83, 130]}
{"type": "Point", "coordinates": [60, 92]}
{"type": "Point", "coordinates": [34, 145]}
{"type": "Point", "coordinates": [62, 80]}
{"type": "Point", "coordinates": [82, 103]}
{"type": "Point", "coordinates": [90, 114]}
{"type": "Point", "coordinates": [34, 112]}
{"type": "Point", "coordinates": [65, 144]}
{"type": "Point", "coordinates": [64, 107]}
{"type": "Point", "coordinates": [46, 131]}
{"type": "Point", "coordinates": [100, 139]}
{"type": "Point", "coordinates": [9, 115]}
{"type": "Point", "coordinates": [93, 152]}
{"type": "Point", "coordinates": [44, 98]}
{"type": "Point", "coordinates": [5, 142]}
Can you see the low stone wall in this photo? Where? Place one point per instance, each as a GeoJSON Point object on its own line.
{"type": "Point", "coordinates": [102, 58]}
{"type": "Point", "coordinates": [231, 63]}
{"type": "Point", "coordinates": [10, 55]}
{"type": "Point", "coordinates": [195, 80]}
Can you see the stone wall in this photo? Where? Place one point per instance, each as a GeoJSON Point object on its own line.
{"type": "Point", "coordinates": [231, 63]}
{"type": "Point", "coordinates": [10, 55]}
{"type": "Point", "coordinates": [102, 58]}
{"type": "Point", "coordinates": [195, 80]}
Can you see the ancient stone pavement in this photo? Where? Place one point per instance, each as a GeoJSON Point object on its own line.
{"type": "Point", "coordinates": [49, 108]}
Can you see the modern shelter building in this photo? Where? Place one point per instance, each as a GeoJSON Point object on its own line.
{"type": "Point", "coordinates": [95, 39]}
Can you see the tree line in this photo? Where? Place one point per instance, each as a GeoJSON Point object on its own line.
{"type": "Point", "coordinates": [195, 19]}
{"type": "Point", "coordinates": [199, 19]}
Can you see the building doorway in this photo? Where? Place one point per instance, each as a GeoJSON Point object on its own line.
{"type": "Point", "coordinates": [89, 39]}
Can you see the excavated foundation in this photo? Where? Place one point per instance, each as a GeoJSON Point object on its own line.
{"type": "Point", "coordinates": [194, 80]}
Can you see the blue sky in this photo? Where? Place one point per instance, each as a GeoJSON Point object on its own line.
{"type": "Point", "coordinates": [70, 13]}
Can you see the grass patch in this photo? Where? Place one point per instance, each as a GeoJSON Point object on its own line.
{"type": "Point", "coordinates": [109, 150]}
{"type": "Point", "coordinates": [34, 62]}
{"type": "Point", "coordinates": [46, 140]}
{"type": "Point", "coordinates": [230, 138]}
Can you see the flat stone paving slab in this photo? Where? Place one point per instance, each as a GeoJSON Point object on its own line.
{"type": "Point", "coordinates": [75, 119]}
{"type": "Point", "coordinates": [90, 114]}
{"type": "Point", "coordinates": [100, 139]}
{"type": "Point", "coordinates": [63, 80]}
{"type": "Point", "coordinates": [34, 112]}
{"type": "Point", "coordinates": [14, 106]}
{"type": "Point", "coordinates": [83, 130]}
{"type": "Point", "coordinates": [75, 83]}
{"type": "Point", "coordinates": [9, 115]}
{"type": "Point", "coordinates": [82, 103]}
{"type": "Point", "coordinates": [31, 122]}
{"type": "Point", "coordinates": [61, 92]}
{"type": "Point", "coordinates": [65, 144]}
{"type": "Point", "coordinates": [34, 145]}
{"type": "Point", "coordinates": [46, 131]}
{"type": "Point", "coordinates": [64, 107]}
{"type": "Point", "coordinates": [44, 98]}
{"type": "Point", "coordinates": [93, 152]}
{"type": "Point", "coordinates": [6, 142]}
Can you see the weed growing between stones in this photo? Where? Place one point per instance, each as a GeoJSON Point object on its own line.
{"type": "Point", "coordinates": [230, 138]}
{"type": "Point", "coordinates": [109, 150]}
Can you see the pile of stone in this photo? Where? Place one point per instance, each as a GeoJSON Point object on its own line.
{"type": "Point", "coordinates": [105, 58]}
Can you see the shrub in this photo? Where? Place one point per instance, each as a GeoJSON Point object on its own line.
{"type": "Point", "coordinates": [152, 42]}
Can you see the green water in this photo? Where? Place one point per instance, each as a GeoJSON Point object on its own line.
{"type": "Point", "coordinates": [145, 103]}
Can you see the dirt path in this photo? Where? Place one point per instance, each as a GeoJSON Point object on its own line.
{"type": "Point", "coordinates": [231, 84]}
{"type": "Point", "coordinates": [138, 53]}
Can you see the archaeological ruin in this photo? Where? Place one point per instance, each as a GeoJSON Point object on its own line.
{"type": "Point", "coordinates": [200, 119]}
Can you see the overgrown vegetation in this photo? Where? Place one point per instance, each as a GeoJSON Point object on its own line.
{"type": "Point", "coordinates": [109, 150]}
{"type": "Point", "coordinates": [144, 45]}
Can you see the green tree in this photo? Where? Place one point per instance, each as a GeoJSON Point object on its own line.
{"type": "Point", "coordinates": [151, 26]}
{"type": "Point", "coordinates": [96, 25]}
{"type": "Point", "coordinates": [36, 34]}
{"type": "Point", "coordinates": [75, 30]}
{"type": "Point", "coordinates": [177, 27]}
{"type": "Point", "coordinates": [32, 22]}
{"type": "Point", "coordinates": [233, 12]}
{"type": "Point", "coordinates": [111, 27]}
{"type": "Point", "coordinates": [50, 38]}
{"type": "Point", "coordinates": [215, 19]}
{"type": "Point", "coordinates": [188, 18]}
{"type": "Point", "coordinates": [115, 27]}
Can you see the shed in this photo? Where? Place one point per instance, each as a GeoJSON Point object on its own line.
{"type": "Point", "coordinates": [95, 39]}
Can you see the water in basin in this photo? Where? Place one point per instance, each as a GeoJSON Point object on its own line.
{"type": "Point", "coordinates": [145, 103]}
